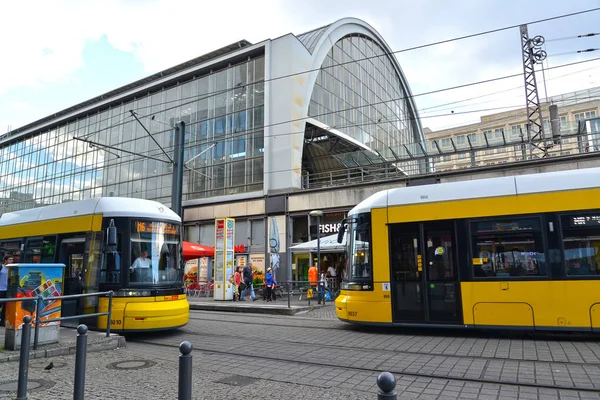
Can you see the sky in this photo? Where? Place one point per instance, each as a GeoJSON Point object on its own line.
{"type": "Point", "coordinates": [58, 53]}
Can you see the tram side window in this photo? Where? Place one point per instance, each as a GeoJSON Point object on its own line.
{"type": "Point", "coordinates": [40, 249]}
{"type": "Point", "coordinates": [581, 243]}
{"type": "Point", "coordinates": [508, 248]}
{"type": "Point", "coordinates": [13, 248]}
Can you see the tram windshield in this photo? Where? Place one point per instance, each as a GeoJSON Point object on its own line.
{"type": "Point", "coordinates": [155, 252]}
{"type": "Point", "coordinates": [358, 250]}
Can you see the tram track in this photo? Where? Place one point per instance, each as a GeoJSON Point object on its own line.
{"type": "Point", "coordinates": [412, 352]}
{"type": "Point", "coordinates": [263, 357]}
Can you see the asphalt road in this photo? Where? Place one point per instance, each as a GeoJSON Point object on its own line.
{"type": "Point", "coordinates": [314, 356]}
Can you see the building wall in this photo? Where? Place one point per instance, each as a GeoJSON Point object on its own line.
{"type": "Point", "coordinates": [224, 115]}
{"type": "Point", "coordinates": [511, 127]}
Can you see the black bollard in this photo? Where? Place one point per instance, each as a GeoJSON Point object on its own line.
{"type": "Point", "coordinates": [24, 359]}
{"type": "Point", "coordinates": [185, 371]}
{"type": "Point", "coordinates": [386, 383]}
{"type": "Point", "coordinates": [80, 354]}
{"type": "Point", "coordinates": [289, 289]}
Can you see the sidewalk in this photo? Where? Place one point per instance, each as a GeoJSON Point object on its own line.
{"type": "Point", "coordinates": [97, 341]}
{"type": "Point", "coordinates": [278, 307]}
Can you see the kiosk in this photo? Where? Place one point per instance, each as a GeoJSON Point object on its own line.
{"type": "Point", "coordinates": [32, 281]}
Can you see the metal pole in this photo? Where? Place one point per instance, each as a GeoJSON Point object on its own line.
{"type": "Point", "coordinates": [38, 310]}
{"type": "Point", "coordinates": [185, 371]}
{"type": "Point", "coordinates": [80, 353]}
{"type": "Point", "coordinates": [319, 258]}
{"type": "Point", "coordinates": [289, 294]}
{"type": "Point", "coordinates": [109, 316]}
{"type": "Point", "coordinates": [386, 383]}
{"type": "Point", "coordinates": [24, 359]}
{"type": "Point", "coordinates": [177, 188]}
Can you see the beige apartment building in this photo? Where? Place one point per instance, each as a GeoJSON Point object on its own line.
{"type": "Point", "coordinates": [504, 133]}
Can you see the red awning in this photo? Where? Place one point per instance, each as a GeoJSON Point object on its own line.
{"type": "Point", "coordinates": [194, 250]}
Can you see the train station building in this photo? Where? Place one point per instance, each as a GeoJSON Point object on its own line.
{"type": "Point", "coordinates": [264, 121]}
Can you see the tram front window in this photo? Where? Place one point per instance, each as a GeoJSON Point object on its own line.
{"type": "Point", "coordinates": [358, 250]}
{"type": "Point", "coordinates": [154, 253]}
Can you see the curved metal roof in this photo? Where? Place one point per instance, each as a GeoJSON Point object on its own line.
{"type": "Point", "coordinates": [311, 38]}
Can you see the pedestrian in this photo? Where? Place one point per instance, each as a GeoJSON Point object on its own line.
{"type": "Point", "coordinates": [237, 280]}
{"type": "Point", "coordinates": [8, 259]}
{"type": "Point", "coordinates": [269, 284]}
{"type": "Point", "coordinates": [313, 277]}
{"type": "Point", "coordinates": [322, 287]}
{"type": "Point", "coordinates": [248, 276]}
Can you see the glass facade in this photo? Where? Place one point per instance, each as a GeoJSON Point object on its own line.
{"type": "Point", "coordinates": [363, 97]}
{"type": "Point", "coordinates": [223, 112]}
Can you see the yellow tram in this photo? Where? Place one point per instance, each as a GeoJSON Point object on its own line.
{"type": "Point", "coordinates": [518, 252]}
{"type": "Point", "coordinates": [129, 246]}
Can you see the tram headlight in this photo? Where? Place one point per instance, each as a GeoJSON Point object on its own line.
{"type": "Point", "coordinates": [355, 286]}
{"type": "Point", "coordinates": [132, 293]}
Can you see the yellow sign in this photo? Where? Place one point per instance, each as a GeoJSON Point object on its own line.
{"type": "Point", "coordinates": [309, 294]}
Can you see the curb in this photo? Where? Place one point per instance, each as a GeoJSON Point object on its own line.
{"type": "Point", "coordinates": [252, 310]}
{"type": "Point", "coordinates": [111, 343]}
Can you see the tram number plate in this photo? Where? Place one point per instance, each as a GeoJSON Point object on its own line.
{"type": "Point", "coordinates": [115, 322]}
{"type": "Point", "coordinates": [386, 296]}
{"type": "Point", "coordinates": [174, 297]}
{"type": "Point", "coordinates": [352, 313]}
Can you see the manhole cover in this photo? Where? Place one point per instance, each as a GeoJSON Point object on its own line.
{"type": "Point", "coordinates": [42, 365]}
{"type": "Point", "coordinates": [131, 364]}
{"type": "Point", "coordinates": [236, 380]}
{"type": "Point", "coordinates": [32, 384]}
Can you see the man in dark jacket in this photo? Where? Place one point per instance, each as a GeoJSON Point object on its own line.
{"type": "Point", "coordinates": [248, 275]}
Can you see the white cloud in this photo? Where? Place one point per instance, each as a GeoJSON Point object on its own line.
{"type": "Point", "coordinates": [160, 33]}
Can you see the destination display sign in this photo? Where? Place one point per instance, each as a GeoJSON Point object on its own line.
{"type": "Point", "coordinates": [587, 220]}
{"type": "Point", "coordinates": [156, 227]}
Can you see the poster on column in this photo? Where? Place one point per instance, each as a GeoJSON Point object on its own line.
{"type": "Point", "coordinates": [224, 234]}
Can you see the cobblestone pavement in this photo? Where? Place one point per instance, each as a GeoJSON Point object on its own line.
{"type": "Point", "coordinates": [327, 312]}
{"type": "Point", "coordinates": [314, 356]}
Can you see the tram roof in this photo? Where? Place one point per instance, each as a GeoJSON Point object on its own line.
{"type": "Point", "coordinates": [586, 178]}
{"type": "Point", "coordinates": [107, 206]}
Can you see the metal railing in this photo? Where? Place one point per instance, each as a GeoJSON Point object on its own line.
{"type": "Point", "coordinates": [428, 160]}
{"type": "Point", "coordinates": [39, 301]}
{"type": "Point", "coordinates": [289, 289]}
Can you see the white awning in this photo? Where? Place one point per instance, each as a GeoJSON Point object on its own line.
{"type": "Point", "coordinates": [328, 244]}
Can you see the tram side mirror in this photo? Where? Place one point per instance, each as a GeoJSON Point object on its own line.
{"type": "Point", "coordinates": [111, 236]}
{"type": "Point", "coordinates": [341, 232]}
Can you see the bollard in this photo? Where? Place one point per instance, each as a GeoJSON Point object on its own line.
{"type": "Point", "coordinates": [80, 354]}
{"type": "Point", "coordinates": [24, 359]}
{"type": "Point", "coordinates": [289, 286]}
{"type": "Point", "coordinates": [386, 383]}
{"type": "Point", "coordinates": [185, 371]}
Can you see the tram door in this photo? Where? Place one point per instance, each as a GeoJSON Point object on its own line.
{"type": "Point", "coordinates": [425, 286]}
{"type": "Point", "coordinates": [71, 254]}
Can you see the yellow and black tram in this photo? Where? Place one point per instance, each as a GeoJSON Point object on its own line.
{"type": "Point", "coordinates": [129, 246]}
{"type": "Point", "coordinates": [518, 252]}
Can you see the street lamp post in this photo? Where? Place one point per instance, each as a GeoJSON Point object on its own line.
{"type": "Point", "coordinates": [318, 214]}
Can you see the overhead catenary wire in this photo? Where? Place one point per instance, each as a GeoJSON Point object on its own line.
{"type": "Point", "coordinates": [231, 138]}
{"type": "Point", "coordinates": [458, 38]}
{"type": "Point", "coordinates": [395, 99]}
{"type": "Point", "coordinates": [586, 35]}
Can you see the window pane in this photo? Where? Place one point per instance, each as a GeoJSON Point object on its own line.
{"type": "Point", "coordinates": [506, 248]}
{"type": "Point", "coordinates": [581, 243]}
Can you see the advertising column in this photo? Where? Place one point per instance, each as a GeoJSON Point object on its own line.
{"type": "Point", "coordinates": [224, 235]}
